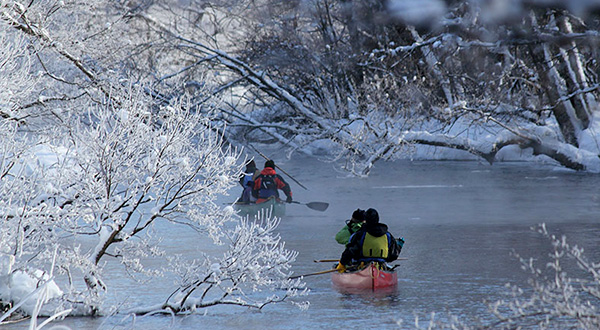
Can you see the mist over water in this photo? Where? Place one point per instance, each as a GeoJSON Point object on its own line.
{"type": "Point", "coordinates": [460, 220]}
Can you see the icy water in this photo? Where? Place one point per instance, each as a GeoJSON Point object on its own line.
{"type": "Point", "coordinates": [460, 220]}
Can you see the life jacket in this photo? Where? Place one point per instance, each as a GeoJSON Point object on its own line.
{"type": "Point", "coordinates": [268, 187]}
{"type": "Point", "coordinates": [375, 248]}
{"type": "Point", "coordinates": [248, 180]}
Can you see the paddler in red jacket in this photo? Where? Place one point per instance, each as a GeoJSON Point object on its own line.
{"type": "Point", "coordinates": [267, 184]}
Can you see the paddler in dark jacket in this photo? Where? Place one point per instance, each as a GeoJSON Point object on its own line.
{"type": "Point", "coordinates": [267, 184]}
{"type": "Point", "coordinates": [247, 181]}
{"type": "Point", "coordinates": [372, 242]}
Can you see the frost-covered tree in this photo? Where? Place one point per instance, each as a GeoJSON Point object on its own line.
{"type": "Point", "coordinates": [15, 62]}
{"type": "Point", "coordinates": [255, 262]}
{"type": "Point", "coordinates": [523, 76]}
{"type": "Point", "coordinates": [97, 190]}
{"type": "Point", "coordinates": [557, 298]}
{"type": "Point", "coordinates": [74, 51]}
{"type": "Point", "coordinates": [92, 160]}
{"type": "Point", "coordinates": [373, 78]}
{"type": "Point", "coordinates": [364, 80]}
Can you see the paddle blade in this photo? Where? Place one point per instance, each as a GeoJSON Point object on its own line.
{"type": "Point", "coordinates": [318, 206]}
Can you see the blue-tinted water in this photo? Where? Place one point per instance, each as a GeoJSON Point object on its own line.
{"type": "Point", "coordinates": [460, 220]}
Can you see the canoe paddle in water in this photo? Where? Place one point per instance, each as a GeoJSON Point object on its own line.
{"type": "Point", "coordinates": [317, 206]}
{"type": "Point", "coordinates": [317, 273]}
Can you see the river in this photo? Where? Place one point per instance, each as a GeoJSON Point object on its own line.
{"type": "Point", "coordinates": [460, 221]}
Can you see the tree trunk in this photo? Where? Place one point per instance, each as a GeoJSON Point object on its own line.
{"type": "Point", "coordinates": [575, 76]}
{"type": "Point", "coordinates": [555, 89]}
{"type": "Point", "coordinates": [433, 63]}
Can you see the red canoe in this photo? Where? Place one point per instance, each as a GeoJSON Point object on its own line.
{"type": "Point", "coordinates": [370, 277]}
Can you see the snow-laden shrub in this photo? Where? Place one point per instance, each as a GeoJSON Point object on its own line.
{"type": "Point", "coordinates": [96, 187]}
{"type": "Point", "coordinates": [555, 299]}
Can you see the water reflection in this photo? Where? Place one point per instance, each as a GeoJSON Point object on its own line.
{"type": "Point", "coordinates": [369, 294]}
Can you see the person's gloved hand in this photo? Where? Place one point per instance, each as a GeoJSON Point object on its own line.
{"type": "Point", "coordinates": [400, 242]}
{"type": "Point", "coordinates": [340, 268]}
{"type": "Point", "coordinates": [288, 199]}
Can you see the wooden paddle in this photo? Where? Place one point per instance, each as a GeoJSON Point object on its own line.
{"type": "Point", "coordinates": [336, 260]}
{"type": "Point", "coordinates": [317, 206]}
{"type": "Point", "coordinates": [317, 273]}
{"type": "Point", "coordinates": [327, 260]}
{"type": "Point", "coordinates": [284, 172]}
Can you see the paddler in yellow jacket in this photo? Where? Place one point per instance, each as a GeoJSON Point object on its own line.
{"type": "Point", "coordinates": [372, 242]}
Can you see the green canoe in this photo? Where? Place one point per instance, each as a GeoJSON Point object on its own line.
{"type": "Point", "coordinates": [251, 209]}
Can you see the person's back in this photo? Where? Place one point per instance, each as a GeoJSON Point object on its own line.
{"type": "Point", "coordinates": [247, 182]}
{"type": "Point", "coordinates": [267, 184]}
{"type": "Point", "coordinates": [372, 242]}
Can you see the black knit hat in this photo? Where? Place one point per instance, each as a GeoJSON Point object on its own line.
{"type": "Point", "coordinates": [371, 216]}
{"type": "Point", "coordinates": [250, 166]}
{"type": "Point", "coordinates": [270, 163]}
{"type": "Point", "coordinates": [359, 215]}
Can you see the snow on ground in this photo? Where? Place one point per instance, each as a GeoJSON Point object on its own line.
{"type": "Point", "coordinates": [18, 286]}
{"type": "Point", "coordinates": [590, 137]}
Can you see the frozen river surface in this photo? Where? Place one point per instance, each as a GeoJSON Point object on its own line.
{"type": "Point", "coordinates": [460, 220]}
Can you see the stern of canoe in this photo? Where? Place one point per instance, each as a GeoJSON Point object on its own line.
{"type": "Point", "coordinates": [276, 209]}
{"type": "Point", "coordinates": [368, 278]}
{"type": "Point", "coordinates": [383, 279]}
{"type": "Point", "coordinates": [358, 280]}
